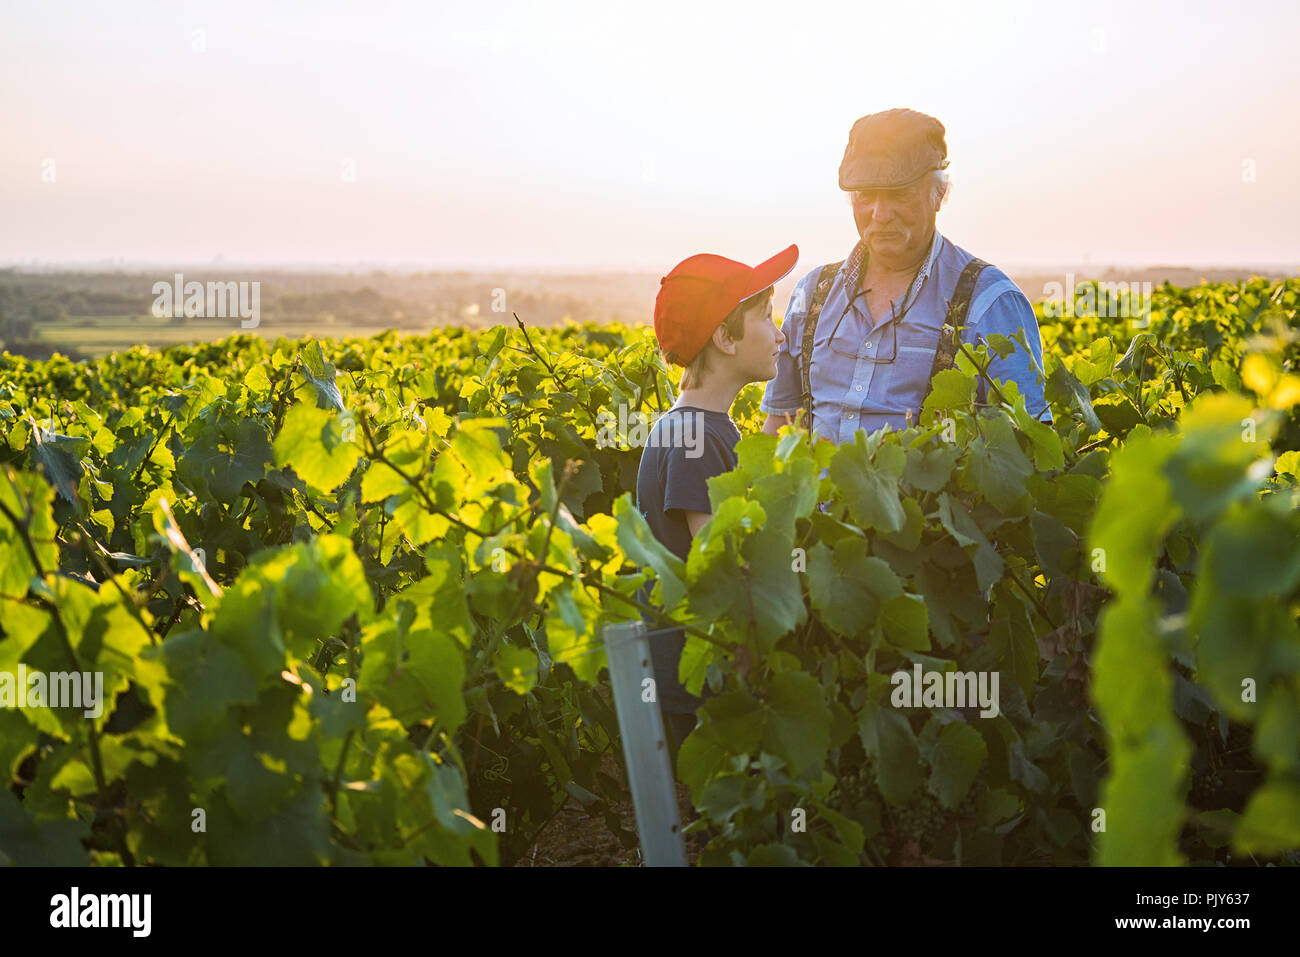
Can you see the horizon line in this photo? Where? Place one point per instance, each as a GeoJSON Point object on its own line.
{"type": "Point", "coordinates": [142, 265]}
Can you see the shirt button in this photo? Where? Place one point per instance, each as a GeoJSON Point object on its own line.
{"type": "Point", "coordinates": [859, 388]}
{"type": "Point", "coordinates": [868, 347]}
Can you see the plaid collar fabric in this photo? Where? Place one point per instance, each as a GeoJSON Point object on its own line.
{"type": "Point", "coordinates": [851, 271]}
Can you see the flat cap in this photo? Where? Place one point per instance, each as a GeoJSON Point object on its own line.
{"type": "Point", "coordinates": [891, 149]}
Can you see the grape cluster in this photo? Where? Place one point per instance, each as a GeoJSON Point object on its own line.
{"type": "Point", "coordinates": [919, 820]}
{"type": "Point", "coordinates": [923, 818]}
{"type": "Point", "coordinates": [1207, 788]}
{"type": "Point", "coordinates": [853, 787]}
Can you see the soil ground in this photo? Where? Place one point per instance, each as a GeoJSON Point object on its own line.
{"type": "Point", "coordinates": [576, 838]}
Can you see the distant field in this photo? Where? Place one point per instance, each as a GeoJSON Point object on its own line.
{"type": "Point", "coordinates": [95, 313]}
{"type": "Point", "coordinates": [98, 336]}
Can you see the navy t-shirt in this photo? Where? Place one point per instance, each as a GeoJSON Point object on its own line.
{"type": "Point", "coordinates": [684, 449]}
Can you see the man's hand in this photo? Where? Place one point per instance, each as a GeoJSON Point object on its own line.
{"type": "Point", "coordinates": [772, 425]}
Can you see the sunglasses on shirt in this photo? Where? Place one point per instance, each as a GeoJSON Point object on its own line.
{"type": "Point", "coordinates": [839, 347]}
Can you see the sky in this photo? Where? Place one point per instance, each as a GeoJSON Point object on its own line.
{"type": "Point", "coordinates": [604, 135]}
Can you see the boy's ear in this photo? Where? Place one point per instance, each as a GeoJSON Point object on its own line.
{"type": "Point", "coordinates": [723, 341]}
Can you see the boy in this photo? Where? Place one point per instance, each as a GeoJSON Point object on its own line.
{"type": "Point", "coordinates": [714, 317]}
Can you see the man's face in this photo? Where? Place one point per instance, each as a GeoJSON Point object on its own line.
{"type": "Point", "coordinates": [896, 223]}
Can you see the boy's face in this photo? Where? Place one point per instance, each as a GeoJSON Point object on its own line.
{"type": "Point", "coordinates": [756, 354]}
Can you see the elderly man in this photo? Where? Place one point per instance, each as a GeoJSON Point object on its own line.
{"type": "Point", "coordinates": [864, 337]}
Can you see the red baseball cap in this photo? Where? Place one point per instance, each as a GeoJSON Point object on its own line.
{"type": "Point", "coordinates": [700, 293]}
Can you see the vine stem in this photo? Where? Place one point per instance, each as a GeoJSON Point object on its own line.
{"type": "Point", "coordinates": [338, 772]}
{"type": "Point", "coordinates": [1092, 445]}
{"type": "Point", "coordinates": [282, 399]}
{"type": "Point", "coordinates": [532, 838]}
{"type": "Point", "coordinates": [656, 613]}
{"type": "Point", "coordinates": [148, 455]}
{"type": "Point", "coordinates": [21, 528]}
{"type": "Point", "coordinates": [980, 369]}
{"type": "Point", "coordinates": [1137, 358]}
{"type": "Point", "coordinates": [559, 496]}
{"type": "Point", "coordinates": [555, 373]}
{"type": "Point", "coordinates": [87, 540]}
{"type": "Point", "coordinates": [97, 763]}
{"type": "Point", "coordinates": [373, 452]}
{"type": "Point", "coordinates": [317, 512]}
{"type": "Point", "coordinates": [531, 348]}
{"type": "Point", "coordinates": [1178, 376]}
{"type": "Point", "coordinates": [433, 508]}
{"type": "Point", "coordinates": [1031, 596]}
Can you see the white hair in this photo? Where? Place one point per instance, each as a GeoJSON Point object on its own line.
{"type": "Point", "coordinates": [940, 187]}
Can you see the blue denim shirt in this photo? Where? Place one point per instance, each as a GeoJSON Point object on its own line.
{"type": "Point", "coordinates": [851, 393]}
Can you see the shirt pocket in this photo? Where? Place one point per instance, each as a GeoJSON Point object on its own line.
{"type": "Point", "coordinates": [911, 379]}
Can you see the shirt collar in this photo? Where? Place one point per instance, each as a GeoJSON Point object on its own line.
{"type": "Point", "coordinates": [851, 271]}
